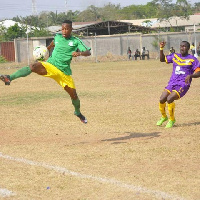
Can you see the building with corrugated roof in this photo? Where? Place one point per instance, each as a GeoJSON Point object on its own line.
{"type": "Point", "coordinates": [184, 24]}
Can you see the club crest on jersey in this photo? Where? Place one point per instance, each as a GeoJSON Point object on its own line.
{"type": "Point", "coordinates": [71, 44]}
{"type": "Point", "coordinates": [187, 61]}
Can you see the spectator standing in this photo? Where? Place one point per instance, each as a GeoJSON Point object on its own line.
{"type": "Point", "coordinates": [192, 48]}
{"type": "Point", "coordinates": [198, 49]}
{"type": "Point", "coordinates": [129, 52]}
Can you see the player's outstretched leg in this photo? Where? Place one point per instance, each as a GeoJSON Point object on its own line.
{"type": "Point", "coordinates": [24, 71]}
{"type": "Point", "coordinates": [5, 79]}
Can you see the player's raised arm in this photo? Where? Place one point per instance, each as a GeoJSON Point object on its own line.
{"type": "Point", "coordinates": [162, 56]}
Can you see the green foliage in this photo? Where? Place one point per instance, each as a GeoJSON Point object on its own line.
{"type": "Point", "coordinates": [15, 32]}
{"type": "Point", "coordinates": [166, 9]}
{"type": "Point", "coordinates": [139, 12]}
{"type": "Point", "coordinates": [161, 9]}
{"type": "Point", "coordinates": [182, 9]}
{"type": "Point", "coordinates": [2, 59]}
{"type": "Point", "coordinates": [2, 33]}
{"type": "Point", "coordinates": [39, 32]}
{"type": "Point", "coordinates": [92, 13]}
{"type": "Point", "coordinates": [110, 12]}
{"type": "Point", "coordinates": [196, 8]}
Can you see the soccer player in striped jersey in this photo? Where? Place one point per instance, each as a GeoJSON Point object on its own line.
{"type": "Point", "coordinates": [185, 68]}
{"type": "Point", "coordinates": [57, 66]}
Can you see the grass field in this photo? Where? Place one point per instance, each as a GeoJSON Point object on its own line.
{"type": "Point", "coordinates": [47, 153]}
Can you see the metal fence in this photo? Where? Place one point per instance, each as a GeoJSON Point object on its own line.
{"type": "Point", "coordinates": [7, 50]}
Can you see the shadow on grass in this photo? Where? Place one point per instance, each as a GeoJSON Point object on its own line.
{"type": "Point", "coordinates": [188, 124]}
{"type": "Point", "coordinates": [133, 135]}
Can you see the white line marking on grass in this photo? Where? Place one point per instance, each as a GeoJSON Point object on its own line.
{"type": "Point", "coordinates": [6, 193]}
{"type": "Point", "coordinates": [158, 194]}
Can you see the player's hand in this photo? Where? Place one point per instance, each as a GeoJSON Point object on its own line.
{"type": "Point", "coordinates": [162, 44]}
{"type": "Point", "coordinates": [75, 54]}
{"type": "Point", "coordinates": [188, 79]}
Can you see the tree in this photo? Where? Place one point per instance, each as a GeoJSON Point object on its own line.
{"type": "Point", "coordinates": [196, 8]}
{"type": "Point", "coordinates": [166, 10]}
{"type": "Point", "coordinates": [39, 32]}
{"type": "Point", "coordinates": [2, 33]}
{"type": "Point", "coordinates": [163, 8]}
{"type": "Point", "coordinates": [110, 12]}
{"type": "Point", "coordinates": [15, 32]}
{"type": "Point", "coordinates": [69, 15]}
{"type": "Point", "coordinates": [139, 11]}
{"type": "Point", "coordinates": [182, 9]}
{"type": "Point", "coordinates": [92, 13]}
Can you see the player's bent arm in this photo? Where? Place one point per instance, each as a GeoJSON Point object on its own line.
{"type": "Point", "coordinates": [196, 74]}
{"type": "Point", "coordinates": [83, 53]}
{"type": "Point", "coordinates": [51, 45]}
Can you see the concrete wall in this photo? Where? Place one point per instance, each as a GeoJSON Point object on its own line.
{"type": "Point", "coordinates": [24, 47]}
{"type": "Point", "coordinates": [115, 44]}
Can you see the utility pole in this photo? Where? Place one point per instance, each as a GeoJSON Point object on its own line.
{"type": "Point", "coordinates": [66, 11]}
{"type": "Point", "coordinates": [34, 10]}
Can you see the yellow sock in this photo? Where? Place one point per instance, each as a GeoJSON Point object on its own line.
{"type": "Point", "coordinates": [171, 108]}
{"type": "Point", "coordinates": [162, 109]}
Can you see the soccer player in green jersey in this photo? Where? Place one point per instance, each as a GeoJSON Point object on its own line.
{"type": "Point", "coordinates": [57, 66]}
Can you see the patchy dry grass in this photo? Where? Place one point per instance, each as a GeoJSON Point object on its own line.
{"type": "Point", "coordinates": [120, 141]}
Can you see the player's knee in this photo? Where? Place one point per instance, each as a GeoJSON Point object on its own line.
{"type": "Point", "coordinates": [38, 68]}
{"type": "Point", "coordinates": [170, 100]}
{"type": "Point", "coordinates": [162, 101]}
{"type": "Point", "coordinates": [33, 67]}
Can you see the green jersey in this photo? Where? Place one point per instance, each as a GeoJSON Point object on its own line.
{"type": "Point", "coordinates": [62, 54]}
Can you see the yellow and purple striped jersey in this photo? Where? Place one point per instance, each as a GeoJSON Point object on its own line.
{"type": "Point", "coordinates": [182, 66]}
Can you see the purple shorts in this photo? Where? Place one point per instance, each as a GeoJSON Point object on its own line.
{"type": "Point", "coordinates": [180, 88]}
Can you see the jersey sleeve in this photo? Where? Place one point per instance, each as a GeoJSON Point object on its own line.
{"type": "Point", "coordinates": [195, 65]}
{"type": "Point", "coordinates": [81, 45]}
{"type": "Point", "coordinates": [197, 69]}
{"type": "Point", "coordinates": [56, 37]}
{"type": "Point", "coordinates": [169, 58]}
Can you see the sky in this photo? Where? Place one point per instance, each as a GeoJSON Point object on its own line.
{"type": "Point", "coordinates": [13, 8]}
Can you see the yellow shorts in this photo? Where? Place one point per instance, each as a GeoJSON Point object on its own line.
{"type": "Point", "coordinates": [61, 78]}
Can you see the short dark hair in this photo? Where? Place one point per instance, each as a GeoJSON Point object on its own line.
{"type": "Point", "coordinates": [67, 22]}
{"type": "Point", "coordinates": [188, 44]}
